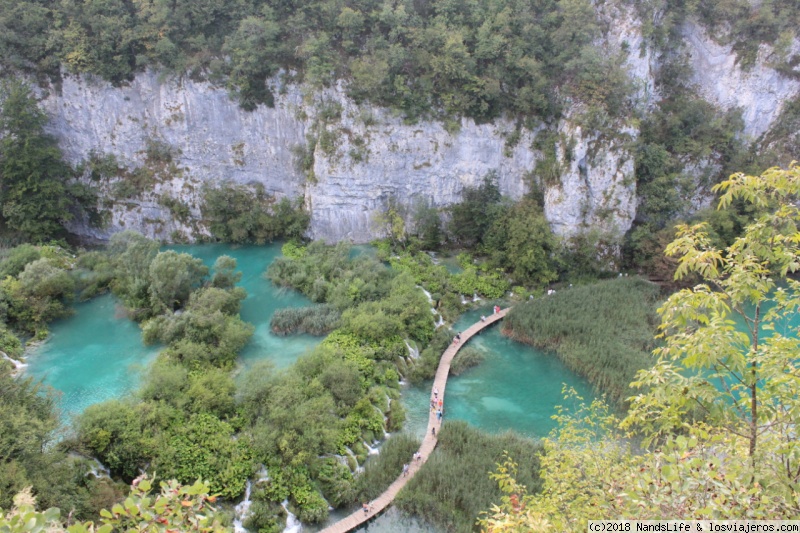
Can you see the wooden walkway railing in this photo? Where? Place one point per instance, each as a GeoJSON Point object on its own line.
{"type": "Point", "coordinates": [428, 443]}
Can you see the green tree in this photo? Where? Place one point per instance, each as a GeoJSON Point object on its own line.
{"type": "Point", "coordinates": [520, 240]}
{"type": "Point", "coordinates": [225, 274]}
{"type": "Point", "coordinates": [591, 472]}
{"type": "Point", "coordinates": [131, 255]}
{"type": "Point", "coordinates": [176, 508]}
{"type": "Point", "coordinates": [252, 49]}
{"type": "Point", "coordinates": [173, 277]}
{"type": "Point", "coordinates": [473, 216]}
{"type": "Point", "coordinates": [737, 377]}
{"type": "Point", "coordinates": [34, 196]}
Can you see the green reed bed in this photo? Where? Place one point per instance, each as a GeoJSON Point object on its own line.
{"type": "Point", "coordinates": [381, 470]}
{"type": "Point", "coordinates": [604, 331]}
{"type": "Point", "coordinates": [316, 320]}
{"type": "Point", "coordinates": [454, 486]}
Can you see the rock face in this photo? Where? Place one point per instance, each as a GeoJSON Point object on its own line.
{"type": "Point", "coordinates": [760, 91]}
{"type": "Point", "coordinates": [369, 156]}
{"type": "Point", "coordinates": [368, 162]}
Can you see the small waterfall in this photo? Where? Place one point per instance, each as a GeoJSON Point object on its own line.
{"type": "Point", "coordinates": [439, 323]}
{"type": "Point", "coordinates": [359, 468]}
{"type": "Point", "coordinates": [18, 365]}
{"type": "Point", "coordinates": [99, 470]}
{"type": "Point", "coordinates": [427, 294]}
{"type": "Point", "coordinates": [475, 297]}
{"type": "Point", "coordinates": [293, 525]}
{"type": "Point", "coordinates": [243, 508]}
{"type": "Point", "coordinates": [371, 450]}
{"type": "Point", "coordinates": [464, 301]}
{"type": "Point", "coordinates": [413, 352]}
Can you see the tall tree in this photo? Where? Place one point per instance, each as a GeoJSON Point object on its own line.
{"type": "Point", "coordinates": [34, 197]}
{"type": "Point", "coordinates": [729, 353]}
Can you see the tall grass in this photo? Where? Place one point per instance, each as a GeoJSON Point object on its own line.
{"type": "Point", "coordinates": [382, 470]}
{"type": "Point", "coordinates": [454, 486]}
{"type": "Point", "coordinates": [604, 331]}
{"type": "Point", "coordinates": [316, 320]}
{"type": "Point", "coordinates": [466, 358]}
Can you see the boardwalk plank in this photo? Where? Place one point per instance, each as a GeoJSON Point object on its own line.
{"type": "Point", "coordinates": [428, 443]}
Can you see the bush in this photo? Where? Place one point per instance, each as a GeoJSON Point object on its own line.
{"type": "Point", "coordinates": [239, 214]}
{"type": "Point", "coordinates": [466, 358]}
{"type": "Point", "coordinates": [381, 470]}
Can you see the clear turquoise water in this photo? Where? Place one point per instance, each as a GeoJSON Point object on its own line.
{"type": "Point", "coordinates": [516, 387]}
{"type": "Point", "coordinates": [263, 299]}
{"type": "Point", "coordinates": [94, 355]}
{"type": "Point", "coordinates": [97, 354]}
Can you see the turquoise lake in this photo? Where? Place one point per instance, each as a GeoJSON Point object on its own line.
{"type": "Point", "coordinates": [516, 387]}
{"type": "Point", "coordinates": [97, 353]}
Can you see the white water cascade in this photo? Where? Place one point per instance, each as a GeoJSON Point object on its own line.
{"type": "Point", "coordinates": [371, 450]}
{"type": "Point", "coordinates": [19, 366]}
{"type": "Point", "coordinates": [413, 352]}
{"type": "Point", "coordinates": [436, 323]}
{"type": "Point", "coordinates": [243, 508]}
{"type": "Point", "coordinates": [293, 525]}
{"type": "Point", "coordinates": [99, 470]}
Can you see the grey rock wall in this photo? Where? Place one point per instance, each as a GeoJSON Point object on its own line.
{"type": "Point", "coordinates": [371, 161]}
{"type": "Point", "coordinates": [213, 141]}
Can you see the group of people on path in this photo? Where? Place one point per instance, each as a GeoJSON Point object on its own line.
{"type": "Point", "coordinates": [437, 406]}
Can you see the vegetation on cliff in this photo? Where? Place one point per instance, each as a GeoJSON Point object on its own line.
{"type": "Point", "coordinates": [37, 191]}
{"type": "Point", "coordinates": [475, 59]}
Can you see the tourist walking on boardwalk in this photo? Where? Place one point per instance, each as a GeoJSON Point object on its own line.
{"type": "Point", "coordinates": [439, 415]}
{"type": "Point", "coordinates": [433, 431]}
{"type": "Point", "coordinates": [435, 392]}
{"type": "Point", "coordinates": [366, 508]}
{"type": "Point", "coordinates": [405, 470]}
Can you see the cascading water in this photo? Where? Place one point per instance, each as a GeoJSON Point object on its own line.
{"type": "Point", "coordinates": [371, 450]}
{"type": "Point", "coordinates": [242, 509]}
{"type": "Point", "coordinates": [99, 470]}
{"type": "Point", "coordinates": [413, 351]}
{"type": "Point", "coordinates": [19, 366]}
{"type": "Point", "coordinates": [293, 525]}
{"type": "Point", "coordinates": [436, 323]}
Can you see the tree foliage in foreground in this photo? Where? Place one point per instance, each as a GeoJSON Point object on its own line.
{"type": "Point", "coordinates": [590, 471]}
{"type": "Point", "coordinates": [729, 355]}
{"type": "Point", "coordinates": [176, 508]}
{"type": "Point", "coordinates": [718, 410]}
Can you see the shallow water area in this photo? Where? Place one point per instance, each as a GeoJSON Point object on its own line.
{"type": "Point", "coordinates": [516, 387]}
{"type": "Point", "coordinates": [97, 354]}
{"type": "Point", "coordinates": [263, 299]}
{"type": "Point", "coordinates": [94, 355]}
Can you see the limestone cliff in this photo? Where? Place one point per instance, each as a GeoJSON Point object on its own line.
{"type": "Point", "coordinates": [372, 157]}
{"type": "Point", "coordinates": [369, 154]}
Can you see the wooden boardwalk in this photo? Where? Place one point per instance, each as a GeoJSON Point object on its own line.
{"type": "Point", "coordinates": [428, 443]}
